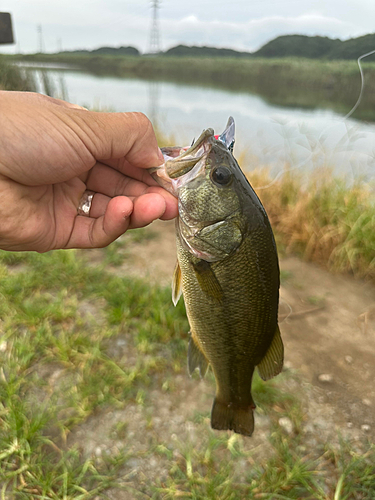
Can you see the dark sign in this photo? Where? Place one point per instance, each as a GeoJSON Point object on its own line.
{"type": "Point", "coordinates": [6, 32]}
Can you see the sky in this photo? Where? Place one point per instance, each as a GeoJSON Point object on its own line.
{"type": "Point", "coordinates": [243, 25]}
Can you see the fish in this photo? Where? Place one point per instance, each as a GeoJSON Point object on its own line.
{"type": "Point", "coordinates": [227, 271]}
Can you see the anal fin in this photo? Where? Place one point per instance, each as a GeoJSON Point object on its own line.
{"type": "Point", "coordinates": [196, 359]}
{"type": "Point", "coordinates": [272, 363]}
{"type": "Point", "coordinates": [176, 284]}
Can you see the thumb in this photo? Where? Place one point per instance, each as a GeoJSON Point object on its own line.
{"type": "Point", "coordinates": [118, 135]}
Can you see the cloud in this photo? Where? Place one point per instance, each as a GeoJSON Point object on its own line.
{"type": "Point", "coordinates": [251, 34]}
{"type": "Point", "coordinates": [243, 26]}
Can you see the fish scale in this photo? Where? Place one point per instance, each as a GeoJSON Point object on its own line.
{"type": "Point", "coordinates": [231, 333]}
{"type": "Point", "coordinates": [228, 274]}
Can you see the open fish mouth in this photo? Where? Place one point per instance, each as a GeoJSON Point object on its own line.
{"type": "Point", "coordinates": [180, 161]}
{"type": "Point", "coordinates": [185, 162]}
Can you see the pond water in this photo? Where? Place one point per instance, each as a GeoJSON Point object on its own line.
{"type": "Point", "coordinates": [276, 136]}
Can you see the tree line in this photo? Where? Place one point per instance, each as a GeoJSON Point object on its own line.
{"type": "Point", "coordinates": [312, 47]}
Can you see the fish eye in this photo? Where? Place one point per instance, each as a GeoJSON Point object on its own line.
{"type": "Point", "coordinates": [221, 175]}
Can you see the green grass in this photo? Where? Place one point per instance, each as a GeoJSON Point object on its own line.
{"type": "Point", "coordinates": [116, 254]}
{"type": "Point", "coordinates": [289, 473]}
{"type": "Point", "coordinates": [61, 368]}
{"type": "Point", "coordinates": [43, 329]}
{"type": "Point", "coordinates": [63, 320]}
{"type": "Point", "coordinates": [32, 465]}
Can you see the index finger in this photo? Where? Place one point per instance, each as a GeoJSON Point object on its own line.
{"type": "Point", "coordinates": [122, 165]}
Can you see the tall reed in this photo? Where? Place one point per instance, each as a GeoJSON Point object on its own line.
{"type": "Point", "coordinates": [323, 219]}
{"type": "Point", "coordinates": [14, 78]}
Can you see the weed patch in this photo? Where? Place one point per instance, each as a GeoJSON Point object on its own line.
{"type": "Point", "coordinates": [324, 220]}
{"type": "Point", "coordinates": [79, 344]}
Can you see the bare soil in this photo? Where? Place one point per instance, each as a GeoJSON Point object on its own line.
{"type": "Point", "coordinates": [329, 338]}
{"type": "Point", "coordinates": [329, 335]}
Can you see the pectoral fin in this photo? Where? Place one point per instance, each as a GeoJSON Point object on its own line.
{"type": "Point", "coordinates": [272, 363]}
{"type": "Point", "coordinates": [207, 280]}
{"type": "Point", "coordinates": [176, 284]}
{"type": "Point", "coordinates": [196, 359]}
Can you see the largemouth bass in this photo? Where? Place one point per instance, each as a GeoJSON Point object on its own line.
{"type": "Point", "coordinates": [228, 273]}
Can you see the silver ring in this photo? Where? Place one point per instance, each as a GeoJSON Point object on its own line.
{"type": "Point", "coordinates": [85, 202]}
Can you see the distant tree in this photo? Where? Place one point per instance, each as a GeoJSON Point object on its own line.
{"type": "Point", "coordinates": [313, 47]}
{"type": "Point", "coordinates": [117, 51]}
{"type": "Point", "coordinates": [354, 48]}
{"type": "Point", "coordinates": [120, 51]}
{"type": "Point", "coordinates": [317, 47]}
{"type": "Point", "coordinates": [194, 51]}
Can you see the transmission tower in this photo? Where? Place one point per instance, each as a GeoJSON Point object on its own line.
{"type": "Point", "coordinates": [40, 39]}
{"type": "Point", "coordinates": [155, 33]}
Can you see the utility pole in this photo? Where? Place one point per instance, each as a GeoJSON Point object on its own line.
{"type": "Point", "coordinates": [59, 45]}
{"type": "Point", "coordinates": [40, 39]}
{"type": "Point", "coordinates": [155, 34]}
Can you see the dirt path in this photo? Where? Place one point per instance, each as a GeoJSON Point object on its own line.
{"type": "Point", "coordinates": [332, 347]}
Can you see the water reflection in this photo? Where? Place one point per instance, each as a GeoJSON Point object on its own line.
{"type": "Point", "coordinates": [274, 135]}
{"type": "Point", "coordinates": [63, 87]}
{"type": "Point", "coordinates": [153, 103]}
{"type": "Point", "coordinates": [47, 83]}
{"type": "Point", "coordinates": [51, 83]}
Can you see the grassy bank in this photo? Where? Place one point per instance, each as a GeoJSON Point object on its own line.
{"type": "Point", "coordinates": [287, 82]}
{"type": "Point", "coordinates": [90, 357]}
{"type": "Point", "coordinates": [86, 357]}
{"type": "Point", "coordinates": [12, 78]}
{"type": "Point", "coordinates": [323, 220]}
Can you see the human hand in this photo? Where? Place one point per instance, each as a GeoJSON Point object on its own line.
{"type": "Point", "coordinates": [51, 152]}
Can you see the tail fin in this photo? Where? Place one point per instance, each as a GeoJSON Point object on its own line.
{"type": "Point", "coordinates": [240, 419]}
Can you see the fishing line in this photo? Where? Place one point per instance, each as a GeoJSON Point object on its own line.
{"type": "Point", "coordinates": [362, 83]}
{"type": "Point", "coordinates": [282, 172]}
{"type": "Point", "coordinates": [290, 310]}
{"type": "Point", "coordinates": [343, 119]}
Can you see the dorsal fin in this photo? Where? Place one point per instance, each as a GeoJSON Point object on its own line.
{"type": "Point", "coordinates": [272, 363]}
{"type": "Point", "coordinates": [227, 137]}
